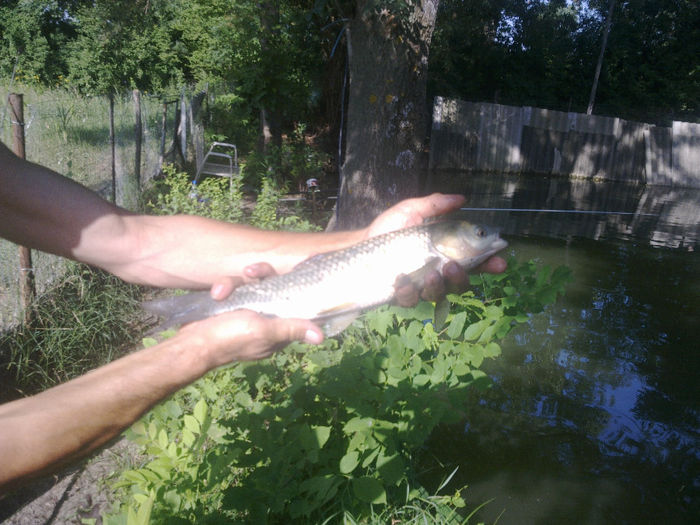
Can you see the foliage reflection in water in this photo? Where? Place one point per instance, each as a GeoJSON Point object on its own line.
{"type": "Point", "coordinates": [595, 409]}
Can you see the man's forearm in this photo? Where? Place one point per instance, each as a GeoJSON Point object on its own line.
{"type": "Point", "coordinates": [63, 423]}
{"type": "Point", "coordinates": [189, 251]}
{"type": "Point", "coordinates": [42, 432]}
{"type": "Point", "coordinates": [44, 210]}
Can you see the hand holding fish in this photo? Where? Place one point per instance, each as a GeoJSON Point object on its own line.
{"type": "Point", "coordinates": [412, 212]}
{"type": "Point", "coordinates": [243, 335]}
{"type": "Point", "coordinates": [43, 210]}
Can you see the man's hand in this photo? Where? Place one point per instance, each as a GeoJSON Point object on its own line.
{"type": "Point", "coordinates": [412, 212]}
{"type": "Point", "coordinates": [243, 335]}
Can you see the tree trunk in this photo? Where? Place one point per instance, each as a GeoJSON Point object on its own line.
{"type": "Point", "coordinates": [270, 130]}
{"type": "Point", "coordinates": [387, 113]}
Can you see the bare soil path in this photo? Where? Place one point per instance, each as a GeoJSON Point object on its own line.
{"type": "Point", "coordinates": [78, 493]}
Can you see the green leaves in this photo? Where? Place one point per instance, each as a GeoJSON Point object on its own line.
{"type": "Point", "coordinates": [317, 431]}
{"type": "Point", "coordinates": [212, 197]}
{"type": "Point", "coordinates": [349, 462]}
{"type": "Point", "coordinates": [454, 329]}
{"type": "Point", "coordinates": [369, 490]}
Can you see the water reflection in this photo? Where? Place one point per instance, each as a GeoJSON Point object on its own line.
{"type": "Point", "coordinates": [661, 216]}
{"type": "Point", "coordinates": [594, 415]}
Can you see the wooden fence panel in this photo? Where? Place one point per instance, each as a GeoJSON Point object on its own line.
{"type": "Point", "coordinates": [507, 139]}
{"type": "Point", "coordinates": [686, 153]}
{"type": "Point", "coordinates": [658, 145]}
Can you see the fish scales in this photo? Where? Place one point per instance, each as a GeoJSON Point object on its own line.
{"type": "Point", "coordinates": [339, 285]}
{"type": "Point", "coordinates": [347, 280]}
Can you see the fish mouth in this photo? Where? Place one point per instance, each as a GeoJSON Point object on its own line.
{"type": "Point", "coordinates": [496, 247]}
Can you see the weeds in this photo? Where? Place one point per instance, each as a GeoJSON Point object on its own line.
{"type": "Point", "coordinates": [331, 430]}
{"type": "Point", "coordinates": [83, 322]}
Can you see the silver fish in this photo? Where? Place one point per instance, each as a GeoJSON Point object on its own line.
{"type": "Point", "coordinates": [335, 287]}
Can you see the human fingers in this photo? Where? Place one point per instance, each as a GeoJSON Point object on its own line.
{"type": "Point", "coordinates": [456, 278]}
{"type": "Point", "coordinates": [433, 287]}
{"type": "Point", "coordinates": [433, 205]}
{"type": "Point", "coordinates": [494, 264]}
{"type": "Point", "coordinates": [453, 279]}
{"type": "Point", "coordinates": [406, 293]}
{"type": "Point", "coordinates": [411, 212]}
{"type": "Point", "coordinates": [245, 336]}
{"type": "Point", "coordinates": [223, 287]}
{"type": "Point", "coordinates": [260, 270]}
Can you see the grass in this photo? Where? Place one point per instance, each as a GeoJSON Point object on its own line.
{"type": "Point", "coordinates": [70, 133]}
{"type": "Point", "coordinates": [86, 320]}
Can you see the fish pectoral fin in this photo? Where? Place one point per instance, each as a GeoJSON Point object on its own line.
{"type": "Point", "coordinates": [334, 325]}
{"type": "Point", "coordinates": [418, 277]}
{"type": "Point", "coordinates": [338, 309]}
{"type": "Point", "coordinates": [336, 319]}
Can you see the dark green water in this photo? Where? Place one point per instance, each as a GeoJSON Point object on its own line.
{"type": "Point", "coordinates": [594, 414]}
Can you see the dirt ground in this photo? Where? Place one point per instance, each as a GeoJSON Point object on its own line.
{"type": "Point", "coordinates": [70, 496]}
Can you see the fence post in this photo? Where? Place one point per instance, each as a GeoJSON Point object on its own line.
{"type": "Point", "coordinates": [27, 285]}
{"type": "Point", "coordinates": [112, 147]}
{"type": "Point", "coordinates": [163, 130]}
{"type": "Point", "coordinates": [138, 135]}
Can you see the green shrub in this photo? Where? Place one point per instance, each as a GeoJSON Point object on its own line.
{"type": "Point", "coordinates": [291, 164]}
{"type": "Point", "coordinates": [214, 197]}
{"type": "Point", "coordinates": [329, 431]}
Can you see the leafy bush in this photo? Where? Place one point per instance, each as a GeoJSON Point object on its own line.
{"type": "Point", "coordinates": [292, 163]}
{"type": "Point", "coordinates": [215, 197]}
{"type": "Point", "coordinates": [316, 433]}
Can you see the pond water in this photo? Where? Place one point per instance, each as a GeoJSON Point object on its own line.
{"type": "Point", "coordinates": [594, 413]}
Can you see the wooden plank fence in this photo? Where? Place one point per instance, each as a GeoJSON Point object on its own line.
{"type": "Point", "coordinates": [484, 137]}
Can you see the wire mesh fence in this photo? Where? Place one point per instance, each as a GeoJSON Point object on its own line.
{"type": "Point", "coordinates": [71, 135]}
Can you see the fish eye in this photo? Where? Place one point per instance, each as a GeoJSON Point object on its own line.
{"type": "Point", "coordinates": [480, 232]}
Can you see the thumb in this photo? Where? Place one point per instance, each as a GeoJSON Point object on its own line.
{"type": "Point", "coordinates": [298, 330]}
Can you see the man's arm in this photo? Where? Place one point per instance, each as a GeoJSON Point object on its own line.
{"type": "Point", "coordinates": [44, 210]}
{"type": "Point", "coordinates": [43, 432]}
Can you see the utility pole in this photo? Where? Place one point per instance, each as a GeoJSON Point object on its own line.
{"type": "Point", "coordinates": [599, 65]}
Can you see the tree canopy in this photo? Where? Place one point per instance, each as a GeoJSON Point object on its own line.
{"type": "Point", "coordinates": [543, 53]}
{"type": "Point", "coordinates": [271, 53]}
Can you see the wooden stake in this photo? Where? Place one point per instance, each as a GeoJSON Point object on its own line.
{"type": "Point", "coordinates": [27, 284]}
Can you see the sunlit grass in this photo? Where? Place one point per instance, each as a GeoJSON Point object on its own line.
{"type": "Point", "coordinates": [86, 320]}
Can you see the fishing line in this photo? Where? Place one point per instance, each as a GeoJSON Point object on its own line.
{"type": "Point", "coordinates": [590, 212]}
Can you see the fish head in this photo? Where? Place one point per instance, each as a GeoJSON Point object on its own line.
{"type": "Point", "coordinates": [466, 243]}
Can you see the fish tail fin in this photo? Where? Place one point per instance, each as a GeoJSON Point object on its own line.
{"type": "Point", "coordinates": [180, 309]}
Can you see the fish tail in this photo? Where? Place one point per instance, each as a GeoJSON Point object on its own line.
{"type": "Point", "coordinates": [181, 309]}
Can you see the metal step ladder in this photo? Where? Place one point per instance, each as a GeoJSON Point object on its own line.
{"type": "Point", "coordinates": [220, 161]}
